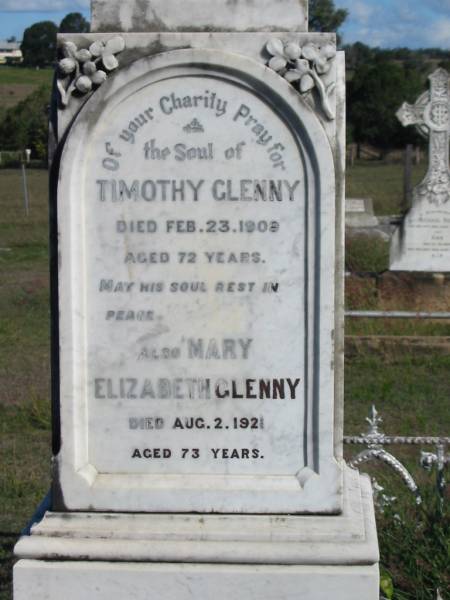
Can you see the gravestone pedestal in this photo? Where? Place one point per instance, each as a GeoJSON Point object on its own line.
{"type": "Point", "coordinates": [145, 557]}
{"type": "Point", "coordinates": [197, 226]}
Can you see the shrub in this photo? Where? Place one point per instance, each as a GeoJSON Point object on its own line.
{"type": "Point", "coordinates": [26, 124]}
{"type": "Point", "coordinates": [364, 254]}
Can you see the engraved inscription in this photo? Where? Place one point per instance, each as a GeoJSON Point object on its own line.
{"type": "Point", "coordinates": [197, 263]}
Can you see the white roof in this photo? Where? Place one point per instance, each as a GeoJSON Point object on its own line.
{"type": "Point", "coordinates": [4, 45]}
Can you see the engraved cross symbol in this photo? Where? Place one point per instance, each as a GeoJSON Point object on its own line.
{"type": "Point", "coordinates": [431, 116]}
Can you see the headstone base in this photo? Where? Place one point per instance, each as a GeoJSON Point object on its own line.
{"type": "Point", "coordinates": [176, 557]}
{"type": "Point", "coordinates": [109, 581]}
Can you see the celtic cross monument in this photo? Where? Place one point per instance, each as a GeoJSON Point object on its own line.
{"type": "Point", "coordinates": [422, 242]}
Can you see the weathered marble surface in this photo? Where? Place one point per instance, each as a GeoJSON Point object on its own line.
{"type": "Point", "coordinates": [251, 45]}
{"type": "Point", "coordinates": [195, 15]}
{"type": "Point", "coordinates": [422, 242]}
{"type": "Point", "coordinates": [323, 556]}
{"type": "Point", "coordinates": [193, 165]}
{"type": "Point", "coordinates": [192, 268]}
{"type": "Point", "coordinates": [279, 539]}
{"type": "Point", "coordinates": [138, 581]}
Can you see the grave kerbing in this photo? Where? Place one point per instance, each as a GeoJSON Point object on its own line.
{"type": "Point", "coordinates": [199, 193]}
{"type": "Point", "coordinates": [359, 213]}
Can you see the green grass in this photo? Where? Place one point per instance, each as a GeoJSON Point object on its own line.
{"type": "Point", "coordinates": [23, 239]}
{"type": "Point", "coordinates": [412, 395]}
{"type": "Point", "coordinates": [24, 359]}
{"type": "Point", "coordinates": [16, 83]}
{"type": "Point", "coordinates": [398, 327]}
{"type": "Point", "coordinates": [25, 76]}
{"type": "Point", "coordinates": [13, 93]}
{"type": "Point", "coordinates": [381, 182]}
{"type": "Point", "coordinates": [24, 476]}
{"type": "Point", "coordinates": [366, 254]}
{"type": "Point", "coordinates": [410, 390]}
{"type": "Point", "coordinates": [414, 540]}
{"type": "Point", "coordinates": [24, 296]}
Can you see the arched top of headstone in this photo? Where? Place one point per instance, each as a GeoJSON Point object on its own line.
{"type": "Point", "coordinates": [199, 15]}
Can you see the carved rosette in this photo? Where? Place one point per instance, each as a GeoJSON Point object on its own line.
{"type": "Point", "coordinates": [80, 70]}
{"type": "Point", "coordinates": [305, 67]}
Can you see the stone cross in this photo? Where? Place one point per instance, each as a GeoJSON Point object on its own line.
{"type": "Point", "coordinates": [431, 116]}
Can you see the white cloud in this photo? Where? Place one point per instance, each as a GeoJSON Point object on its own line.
{"type": "Point", "coordinates": [43, 5]}
{"type": "Point", "coordinates": [361, 11]}
{"type": "Point", "coordinates": [396, 23]}
{"type": "Point", "coordinates": [439, 34]}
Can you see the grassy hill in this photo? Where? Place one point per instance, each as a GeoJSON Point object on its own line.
{"type": "Point", "coordinates": [16, 83]}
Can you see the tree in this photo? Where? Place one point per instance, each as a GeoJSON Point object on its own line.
{"type": "Point", "coordinates": [74, 23]}
{"type": "Point", "coordinates": [323, 15]}
{"type": "Point", "coordinates": [357, 54]}
{"type": "Point", "coordinates": [26, 124]}
{"type": "Point", "coordinates": [375, 93]}
{"type": "Point", "coordinates": [39, 44]}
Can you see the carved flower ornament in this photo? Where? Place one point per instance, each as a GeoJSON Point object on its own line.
{"type": "Point", "coordinates": [305, 65]}
{"type": "Point", "coordinates": [79, 69]}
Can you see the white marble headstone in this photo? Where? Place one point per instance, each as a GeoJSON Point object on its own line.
{"type": "Point", "coordinates": [196, 224]}
{"type": "Point", "coordinates": [422, 242]}
{"type": "Point", "coordinates": [197, 215]}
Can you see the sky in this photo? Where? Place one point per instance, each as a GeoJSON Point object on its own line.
{"type": "Point", "coordinates": [384, 23]}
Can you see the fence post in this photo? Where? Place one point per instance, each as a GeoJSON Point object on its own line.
{"type": "Point", "coordinates": [25, 189]}
{"type": "Point", "coordinates": [352, 154]}
{"type": "Point", "coordinates": [418, 155]}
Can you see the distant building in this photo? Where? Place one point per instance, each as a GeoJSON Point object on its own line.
{"type": "Point", "coordinates": [10, 53]}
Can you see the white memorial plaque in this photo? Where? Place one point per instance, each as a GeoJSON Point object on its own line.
{"type": "Point", "coordinates": [426, 243]}
{"type": "Point", "coordinates": [196, 374]}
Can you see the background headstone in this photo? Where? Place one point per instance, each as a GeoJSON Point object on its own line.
{"type": "Point", "coordinates": [422, 242]}
{"type": "Point", "coordinates": [359, 213]}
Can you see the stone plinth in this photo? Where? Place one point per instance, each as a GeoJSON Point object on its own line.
{"type": "Point", "coordinates": [109, 556]}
